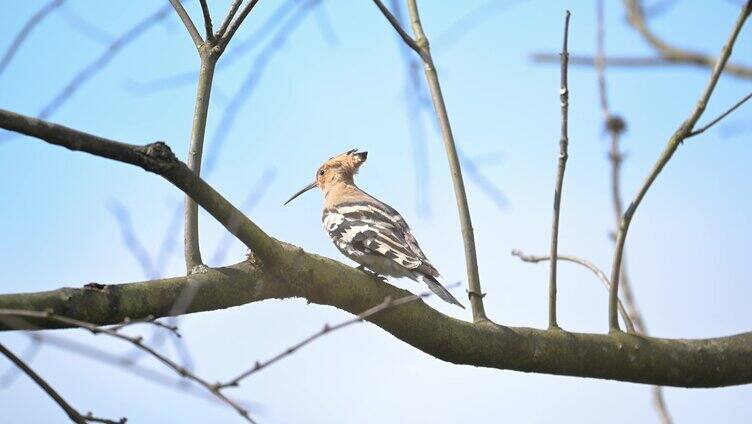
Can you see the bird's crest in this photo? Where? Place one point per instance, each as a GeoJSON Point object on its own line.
{"type": "Point", "coordinates": [340, 168]}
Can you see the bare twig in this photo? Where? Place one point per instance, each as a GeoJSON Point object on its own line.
{"type": "Point", "coordinates": [485, 184]}
{"type": "Point", "coordinates": [587, 264]}
{"type": "Point", "coordinates": [615, 127]}
{"type": "Point", "coordinates": [195, 36]}
{"type": "Point", "coordinates": [326, 329]}
{"type": "Point", "coordinates": [209, 55]}
{"type": "Point", "coordinates": [229, 57]}
{"type": "Point", "coordinates": [232, 55]}
{"type": "Point", "coordinates": [418, 101]}
{"type": "Point", "coordinates": [207, 20]}
{"type": "Point", "coordinates": [235, 24]}
{"type": "Point", "coordinates": [326, 28]}
{"type": "Point", "coordinates": [33, 21]}
{"type": "Point", "coordinates": [228, 18]}
{"type": "Point", "coordinates": [659, 403]}
{"type": "Point", "coordinates": [666, 55]}
{"type": "Point", "coordinates": [131, 242]}
{"type": "Point", "coordinates": [676, 139]}
{"type": "Point", "coordinates": [105, 357]}
{"type": "Point", "coordinates": [563, 155]}
{"type": "Point", "coordinates": [470, 21]}
{"type": "Point", "coordinates": [147, 320]}
{"type": "Point", "coordinates": [721, 116]}
{"type": "Point", "coordinates": [610, 61]}
{"type": "Point", "coordinates": [285, 28]}
{"type": "Point", "coordinates": [670, 53]}
{"type": "Point", "coordinates": [91, 69]}
{"type": "Point", "coordinates": [31, 351]}
{"type": "Point", "coordinates": [152, 268]}
{"type": "Point", "coordinates": [72, 413]}
{"type": "Point", "coordinates": [84, 26]}
{"type": "Point", "coordinates": [192, 249]}
{"type": "Point", "coordinates": [398, 27]}
{"type": "Point", "coordinates": [421, 46]}
{"type": "Point", "coordinates": [587, 60]}
{"type": "Point", "coordinates": [658, 8]}
{"type": "Point", "coordinates": [134, 340]}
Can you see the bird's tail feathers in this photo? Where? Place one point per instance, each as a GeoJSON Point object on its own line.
{"type": "Point", "coordinates": [440, 291]}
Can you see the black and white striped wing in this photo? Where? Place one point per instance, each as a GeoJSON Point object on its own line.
{"type": "Point", "coordinates": [358, 231]}
{"type": "Point", "coordinates": [381, 209]}
{"type": "Point", "coordinates": [404, 228]}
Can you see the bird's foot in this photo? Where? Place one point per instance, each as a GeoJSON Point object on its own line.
{"type": "Point", "coordinates": [371, 273]}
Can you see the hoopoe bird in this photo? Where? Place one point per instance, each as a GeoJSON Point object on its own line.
{"type": "Point", "coordinates": [367, 230]}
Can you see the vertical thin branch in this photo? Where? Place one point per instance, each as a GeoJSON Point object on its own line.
{"type": "Point", "coordinates": [659, 402]}
{"type": "Point", "coordinates": [209, 53]}
{"type": "Point", "coordinates": [207, 20]}
{"type": "Point", "coordinates": [230, 14]}
{"type": "Point", "coordinates": [421, 43]}
{"type": "Point", "coordinates": [235, 24]}
{"type": "Point", "coordinates": [279, 27]}
{"type": "Point", "coordinates": [684, 130]}
{"type": "Point", "coordinates": [74, 415]}
{"type": "Point", "coordinates": [563, 143]}
{"type": "Point", "coordinates": [416, 102]}
{"type": "Point", "coordinates": [192, 250]}
{"type": "Point", "coordinates": [615, 126]}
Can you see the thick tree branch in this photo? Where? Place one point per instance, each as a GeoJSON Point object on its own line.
{"type": "Point", "coordinates": [626, 357]}
{"type": "Point", "coordinates": [155, 157]}
{"type": "Point", "coordinates": [684, 130]}
{"type": "Point", "coordinates": [281, 271]}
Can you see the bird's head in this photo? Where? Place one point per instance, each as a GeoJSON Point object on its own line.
{"type": "Point", "coordinates": [339, 169]}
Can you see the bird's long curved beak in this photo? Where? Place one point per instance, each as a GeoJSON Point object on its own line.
{"type": "Point", "coordinates": [303, 190]}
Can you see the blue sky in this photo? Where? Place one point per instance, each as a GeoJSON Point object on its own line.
{"type": "Point", "coordinates": [322, 92]}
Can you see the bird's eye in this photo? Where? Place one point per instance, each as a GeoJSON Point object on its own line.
{"type": "Point", "coordinates": [321, 172]}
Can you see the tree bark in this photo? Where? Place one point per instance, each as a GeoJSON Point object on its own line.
{"type": "Point", "coordinates": [688, 363]}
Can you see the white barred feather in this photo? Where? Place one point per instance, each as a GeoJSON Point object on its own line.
{"type": "Point", "coordinates": [378, 237]}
